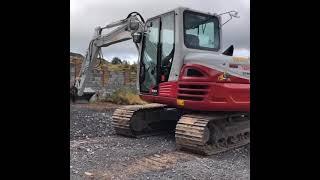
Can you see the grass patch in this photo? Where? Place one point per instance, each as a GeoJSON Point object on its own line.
{"type": "Point", "coordinates": [124, 97]}
{"type": "Point", "coordinates": [122, 67]}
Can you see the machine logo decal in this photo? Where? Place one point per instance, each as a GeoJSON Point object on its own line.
{"type": "Point", "coordinates": [224, 77]}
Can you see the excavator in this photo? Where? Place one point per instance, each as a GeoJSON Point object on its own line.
{"type": "Point", "coordinates": [186, 78]}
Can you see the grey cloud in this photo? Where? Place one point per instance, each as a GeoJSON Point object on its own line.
{"type": "Point", "coordinates": [87, 14]}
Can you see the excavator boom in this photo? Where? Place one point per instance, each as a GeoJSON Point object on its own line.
{"type": "Point", "coordinates": [124, 30]}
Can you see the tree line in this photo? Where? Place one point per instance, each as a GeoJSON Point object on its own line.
{"type": "Point", "coordinates": [117, 60]}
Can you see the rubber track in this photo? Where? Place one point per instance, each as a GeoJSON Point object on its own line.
{"type": "Point", "coordinates": [190, 132]}
{"type": "Point", "coordinates": [123, 116]}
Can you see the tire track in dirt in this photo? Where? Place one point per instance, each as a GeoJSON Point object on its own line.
{"type": "Point", "coordinates": [154, 162]}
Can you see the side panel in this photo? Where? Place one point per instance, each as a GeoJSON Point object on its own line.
{"type": "Point", "coordinates": [168, 89]}
{"type": "Point", "coordinates": [167, 94]}
{"type": "Point", "coordinates": [204, 93]}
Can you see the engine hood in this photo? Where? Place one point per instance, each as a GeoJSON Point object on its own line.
{"type": "Point", "coordinates": [236, 66]}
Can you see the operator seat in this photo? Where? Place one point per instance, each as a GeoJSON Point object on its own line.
{"type": "Point", "coordinates": [192, 40]}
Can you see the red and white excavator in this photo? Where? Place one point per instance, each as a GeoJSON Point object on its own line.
{"type": "Point", "coordinates": [186, 77]}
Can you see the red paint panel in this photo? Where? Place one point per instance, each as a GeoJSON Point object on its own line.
{"type": "Point", "coordinates": [204, 93]}
{"type": "Point", "coordinates": [168, 89]}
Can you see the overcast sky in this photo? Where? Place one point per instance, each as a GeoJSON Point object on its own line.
{"type": "Point", "coordinates": [85, 15]}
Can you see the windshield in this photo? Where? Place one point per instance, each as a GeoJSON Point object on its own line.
{"type": "Point", "coordinates": [201, 31]}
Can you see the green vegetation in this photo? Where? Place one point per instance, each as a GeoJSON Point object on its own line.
{"type": "Point", "coordinates": [122, 67]}
{"type": "Point", "coordinates": [124, 96]}
{"type": "Point", "coordinates": [116, 60]}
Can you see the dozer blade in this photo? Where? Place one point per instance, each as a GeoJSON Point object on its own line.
{"type": "Point", "coordinates": [84, 99]}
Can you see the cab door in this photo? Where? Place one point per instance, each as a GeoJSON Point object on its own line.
{"type": "Point", "coordinates": [157, 53]}
{"type": "Point", "coordinates": [149, 57]}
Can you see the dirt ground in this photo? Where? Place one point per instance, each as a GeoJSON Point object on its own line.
{"type": "Point", "coordinates": [98, 153]}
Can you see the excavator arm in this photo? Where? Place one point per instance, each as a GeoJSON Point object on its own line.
{"type": "Point", "coordinates": [126, 29]}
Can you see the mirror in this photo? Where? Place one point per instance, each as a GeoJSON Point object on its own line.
{"type": "Point", "coordinates": [137, 37]}
{"type": "Point", "coordinates": [229, 51]}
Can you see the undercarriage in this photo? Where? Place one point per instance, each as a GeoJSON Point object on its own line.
{"type": "Point", "coordinates": [144, 120]}
{"type": "Point", "coordinates": [204, 133]}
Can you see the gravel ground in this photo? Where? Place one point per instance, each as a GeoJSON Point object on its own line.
{"type": "Point", "coordinates": [89, 123]}
{"type": "Point", "coordinates": [97, 153]}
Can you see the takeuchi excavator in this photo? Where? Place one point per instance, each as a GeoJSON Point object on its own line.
{"type": "Point", "coordinates": [186, 77]}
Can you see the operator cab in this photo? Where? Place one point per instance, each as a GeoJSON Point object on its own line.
{"type": "Point", "coordinates": [168, 37]}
